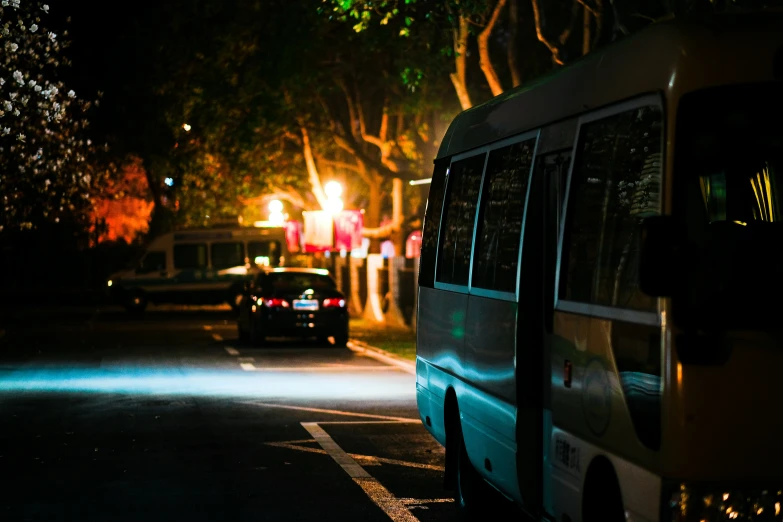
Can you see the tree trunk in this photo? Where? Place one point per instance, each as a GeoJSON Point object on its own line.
{"type": "Point", "coordinates": [585, 31]}
{"type": "Point", "coordinates": [485, 61]}
{"type": "Point", "coordinates": [458, 78]}
{"type": "Point", "coordinates": [511, 50]}
{"type": "Point", "coordinates": [372, 214]}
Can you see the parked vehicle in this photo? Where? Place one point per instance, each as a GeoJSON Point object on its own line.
{"type": "Point", "coordinates": [597, 326]}
{"type": "Point", "coordinates": [204, 266]}
{"type": "Point", "coordinates": [293, 302]}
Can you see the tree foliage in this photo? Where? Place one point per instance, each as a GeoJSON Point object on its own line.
{"type": "Point", "coordinates": [49, 167]}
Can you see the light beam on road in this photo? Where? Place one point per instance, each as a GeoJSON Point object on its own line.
{"type": "Point", "coordinates": [209, 383]}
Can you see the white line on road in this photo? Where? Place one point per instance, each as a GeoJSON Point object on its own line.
{"type": "Point", "coordinates": [217, 337]}
{"type": "Point", "coordinates": [231, 351]}
{"type": "Point", "coordinates": [248, 367]}
{"type": "Point", "coordinates": [367, 460]}
{"type": "Point", "coordinates": [409, 367]}
{"type": "Point", "coordinates": [396, 510]}
{"type": "Point", "coordinates": [334, 412]}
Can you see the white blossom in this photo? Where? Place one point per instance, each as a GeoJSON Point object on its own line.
{"type": "Point", "coordinates": [71, 94]}
{"type": "Point", "coordinates": [33, 28]}
{"type": "Point", "coordinates": [18, 77]}
{"type": "Point", "coordinates": [38, 88]}
{"type": "Point", "coordinates": [13, 47]}
{"type": "Point", "coordinates": [8, 105]}
{"type": "Point", "coordinates": [20, 137]}
{"type": "Point", "coordinates": [45, 8]}
{"type": "Point", "coordinates": [52, 36]}
{"type": "Point", "coordinates": [31, 83]}
{"type": "Point", "coordinates": [6, 131]}
{"type": "Point", "coordinates": [15, 4]}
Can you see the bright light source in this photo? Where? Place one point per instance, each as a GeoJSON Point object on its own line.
{"type": "Point", "coordinates": [333, 190]}
{"type": "Point", "coordinates": [109, 282]}
{"type": "Point", "coordinates": [169, 182]}
{"type": "Point", "coordinates": [334, 205]}
{"type": "Point", "coordinates": [186, 127]}
{"type": "Point", "coordinates": [276, 218]}
{"type": "Point", "coordinates": [420, 181]}
{"type": "Point", "coordinates": [275, 205]}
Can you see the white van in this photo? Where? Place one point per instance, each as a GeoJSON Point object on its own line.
{"type": "Point", "coordinates": [202, 266]}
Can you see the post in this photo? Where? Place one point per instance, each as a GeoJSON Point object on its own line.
{"type": "Point", "coordinates": [373, 311]}
{"type": "Point", "coordinates": [356, 304]}
{"type": "Point", "coordinates": [394, 315]}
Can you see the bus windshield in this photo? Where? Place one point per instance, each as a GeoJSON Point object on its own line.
{"type": "Point", "coordinates": [731, 140]}
{"type": "Point", "coordinates": [728, 188]}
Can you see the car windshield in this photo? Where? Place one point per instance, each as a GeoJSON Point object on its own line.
{"type": "Point", "coordinates": [298, 281]}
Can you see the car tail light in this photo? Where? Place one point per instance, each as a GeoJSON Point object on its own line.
{"type": "Point", "coordinates": [334, 302]}
{"type": "Point", "coordinates": [274, 302]}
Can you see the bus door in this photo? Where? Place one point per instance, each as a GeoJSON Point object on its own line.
{"type": "Point", "coordinates": [536, 304]}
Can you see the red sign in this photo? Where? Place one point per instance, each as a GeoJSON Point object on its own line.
{"type": "Point", "coordinates": [348, 226]}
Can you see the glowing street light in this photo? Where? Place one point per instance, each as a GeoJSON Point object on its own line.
{"type": "Point", "coordinates": [333, 190]}
{"type": "Point", "coordinates": [186, 127]}
{"type": "Point", "coordinates": [333, 203]}
{"type": "Point", "coordinates": [276, 212]}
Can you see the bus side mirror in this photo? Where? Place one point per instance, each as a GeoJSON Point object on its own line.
{"type": "Point", "coordinates": [658, 256]}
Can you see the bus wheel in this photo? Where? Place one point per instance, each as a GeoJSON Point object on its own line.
{"type": "Point", "coordinates": [135, 301]}
{"type": "Point", "coordinates": [471, 492]}
{"type": "Point", "coordinates": [602, 500]}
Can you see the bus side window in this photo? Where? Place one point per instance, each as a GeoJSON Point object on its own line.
{"type": "Point", "coordinates": [429, 241]}
{"type": "Point", "coordinates": [459, 215]}
{"type": "Point", "coordinates": [500, 220]}
{"type": "Point", "coordinates": [227, 255]}
{"type": "Point", "coordinates": [615, 183]}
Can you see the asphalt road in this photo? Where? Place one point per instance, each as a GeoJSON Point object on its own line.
{"type": "Point", "coordinates": [166, 417]}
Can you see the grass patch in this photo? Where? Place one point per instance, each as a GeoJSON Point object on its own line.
{"type": "Point", "coordinates": [399, 341]}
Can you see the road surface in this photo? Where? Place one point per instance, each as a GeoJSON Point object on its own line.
{"type": "Point", "coordinates": [104, 416]}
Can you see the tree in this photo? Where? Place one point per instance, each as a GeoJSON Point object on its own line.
{"type": "Point", "coordinates": [123, 210]}
{"type": "Point", "coordinates": [49, 168]}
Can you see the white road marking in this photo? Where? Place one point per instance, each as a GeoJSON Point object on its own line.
{"type": "Point", "coordinates": [334, 412]}
{"type": "Point", "coordinates": [217, 337]}
{"type": "Point", "coordinates": [367, 460]}
{"type": "Point", "coordinates": [248, 367]}
{"type": "Point", "coordinates": [407, 366]}
{"type": "Point", "coordinates": [231, 351]}
{"type": "Point", "coordinates": [396, 510]}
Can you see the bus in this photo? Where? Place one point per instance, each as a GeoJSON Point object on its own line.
{"type": "Point", "coordinates": [199, 266]}
{"type": "Point", "coordinates": [598, 322]}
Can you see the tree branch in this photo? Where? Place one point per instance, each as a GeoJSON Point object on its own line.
{"type": "Point", "coordinates": [312, 169]}
{"type": "Point", "coordinates": [553, 47]}
{"type": "Point", "coordinates": [485, 62]}
{"type": "Point", "coordinates": [458, 78]}
{"type": "Point", "coordinates": [511, 49]}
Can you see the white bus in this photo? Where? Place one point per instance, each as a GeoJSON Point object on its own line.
{"type": "Point", "coordinates": [199, 266]}
{"type": "Point", "coordinates": [597, 323]}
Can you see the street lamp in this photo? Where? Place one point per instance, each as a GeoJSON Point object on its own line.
{"type": "Point", "coordinates": [276, 217]}
{"type": "Point", "coordinates": [333, 203]}
{"type": "Point", "coordinates": [186, 127]}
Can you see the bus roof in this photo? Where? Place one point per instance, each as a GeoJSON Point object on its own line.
{"type": "Point", "coordinates": [671, 57]}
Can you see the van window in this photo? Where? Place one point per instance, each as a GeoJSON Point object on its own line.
{"type": "Point", "coordinates": [500, 217]}
{"type": "Point", "coordinates": [154, 261]}
{"type": "Point", "coordinates": [227, 255]}
{"type": "Point", "coordinates": [462, 191]}
{"type": "Point", "coordinates": [429, 241]}
{"type": "Point", "coordinates": [615, 184]}
{"type": "Point", "coordinates": [190, 256]}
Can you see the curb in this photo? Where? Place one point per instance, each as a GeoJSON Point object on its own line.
{"type": "Point", "coordinates": [382, 355]}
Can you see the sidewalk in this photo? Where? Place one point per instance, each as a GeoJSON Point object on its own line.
{"type": "Point", "coordinates": [397, 341]}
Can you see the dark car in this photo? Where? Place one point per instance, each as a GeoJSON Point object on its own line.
{"type": "Point", "coordinates": [293, 302]}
